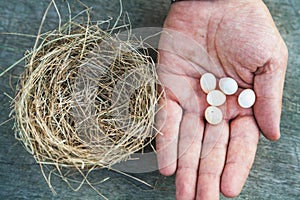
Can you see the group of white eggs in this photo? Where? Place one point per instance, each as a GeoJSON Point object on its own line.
{"type": "Point", "coordinates": [215, 98]}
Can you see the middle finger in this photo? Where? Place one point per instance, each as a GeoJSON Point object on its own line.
{"type": "Point", "coordinates": [189, 148]}
{"type": "Point", "coordinates": [212, 160]}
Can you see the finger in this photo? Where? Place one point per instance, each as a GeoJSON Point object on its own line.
{"type": "Point", "coordinates": [212, 161]}
{"type": "Point", "coordinates": [268, 85]}
{"type": "Point", "coordinates": [190, 138]}
{"type": "Point", "coordinates": [167, 122]}
{"type": "Point", "coordinates": [240, 155]}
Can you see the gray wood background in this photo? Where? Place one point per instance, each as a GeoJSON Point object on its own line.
{"type": "Point", "coordinates": [276, 172]}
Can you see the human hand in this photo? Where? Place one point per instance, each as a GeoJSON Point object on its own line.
{"type": "Point", "coordinates": [230, 38]}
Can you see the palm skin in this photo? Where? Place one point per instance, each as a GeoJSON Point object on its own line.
{"type": "Point", "coordinates": [228, 38]}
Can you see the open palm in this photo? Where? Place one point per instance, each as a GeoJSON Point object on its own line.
{"type": "Point", "coordinates": [227, 38]}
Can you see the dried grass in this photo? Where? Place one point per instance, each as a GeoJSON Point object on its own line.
{"type": "Point", "coordinates": [86, 99]}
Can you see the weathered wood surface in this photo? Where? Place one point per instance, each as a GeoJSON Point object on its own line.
{"type": "Point", "coordinates": [276, 172]}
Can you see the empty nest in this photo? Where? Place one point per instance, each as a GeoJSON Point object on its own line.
{"type": "Point", "coordinates": [85, 98]}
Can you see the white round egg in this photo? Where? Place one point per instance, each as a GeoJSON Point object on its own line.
{"type": "Point", "coordinates": [215, 98]}
{"type": "Point", "coordinates": [228, 85]}
{"type": "Point", "coordinates": [246, 98]}
{"type": "Point", "coordinates": [213, 115]}
{"type": "Point", "coordinates": [208, 82]}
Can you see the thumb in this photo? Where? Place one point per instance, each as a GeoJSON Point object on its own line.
{"type": "Point", "coordinates": [268, 86]}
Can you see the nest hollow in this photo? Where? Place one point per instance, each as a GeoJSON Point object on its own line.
{"type": "Point", "coordinates": [85, 98]}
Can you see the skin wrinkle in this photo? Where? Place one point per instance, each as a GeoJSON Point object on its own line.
{"type": "Point", "coordinates": [240, 164]}
{"type": "Point", "coordinates": [207, 173]}
{"type": "Point", "coordinates": [247, 38]}
{"type": "Point", "coordinates": [215, 44]}
{"type": "Point", "coordinates": [238, 137]}
{"type": "Point", "coordinates": [209, 160]}
{"type": "Point", "coordinates": [217, 145]}
{"type": "Point", "coordinates": [210, 38]}
{"type": "Point", "coordinates": [221, 61]}
{"type": "Point", "coordinates": [217, 59]}
{"type": "Point", "coordinates": [207, 38]}
{"type": "Point", "coordinates": [193, 75]}
{"type": "Point", "coordinates": [268, 67]}
{"type": "Point", "coordinates": [171, 96]}
{"type": "Point", "coordinates": [248, 78]}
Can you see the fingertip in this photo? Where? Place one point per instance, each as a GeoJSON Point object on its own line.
{"type": "Point", "coordinates": [229, 192]}
{"type": "Point", "coordinates": [168, 171]}
{"type": "Point", "coordinates": [269, 130]}
{"type": "Point", "coordinates": [231, 187]}
{"type": "Point", "coordinates": [268, 119]}
{"type": "Point", "coordinates": [273, 137]}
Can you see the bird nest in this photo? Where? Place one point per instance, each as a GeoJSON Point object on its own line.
{"type": "Point", "coordinates": [86, 98]}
